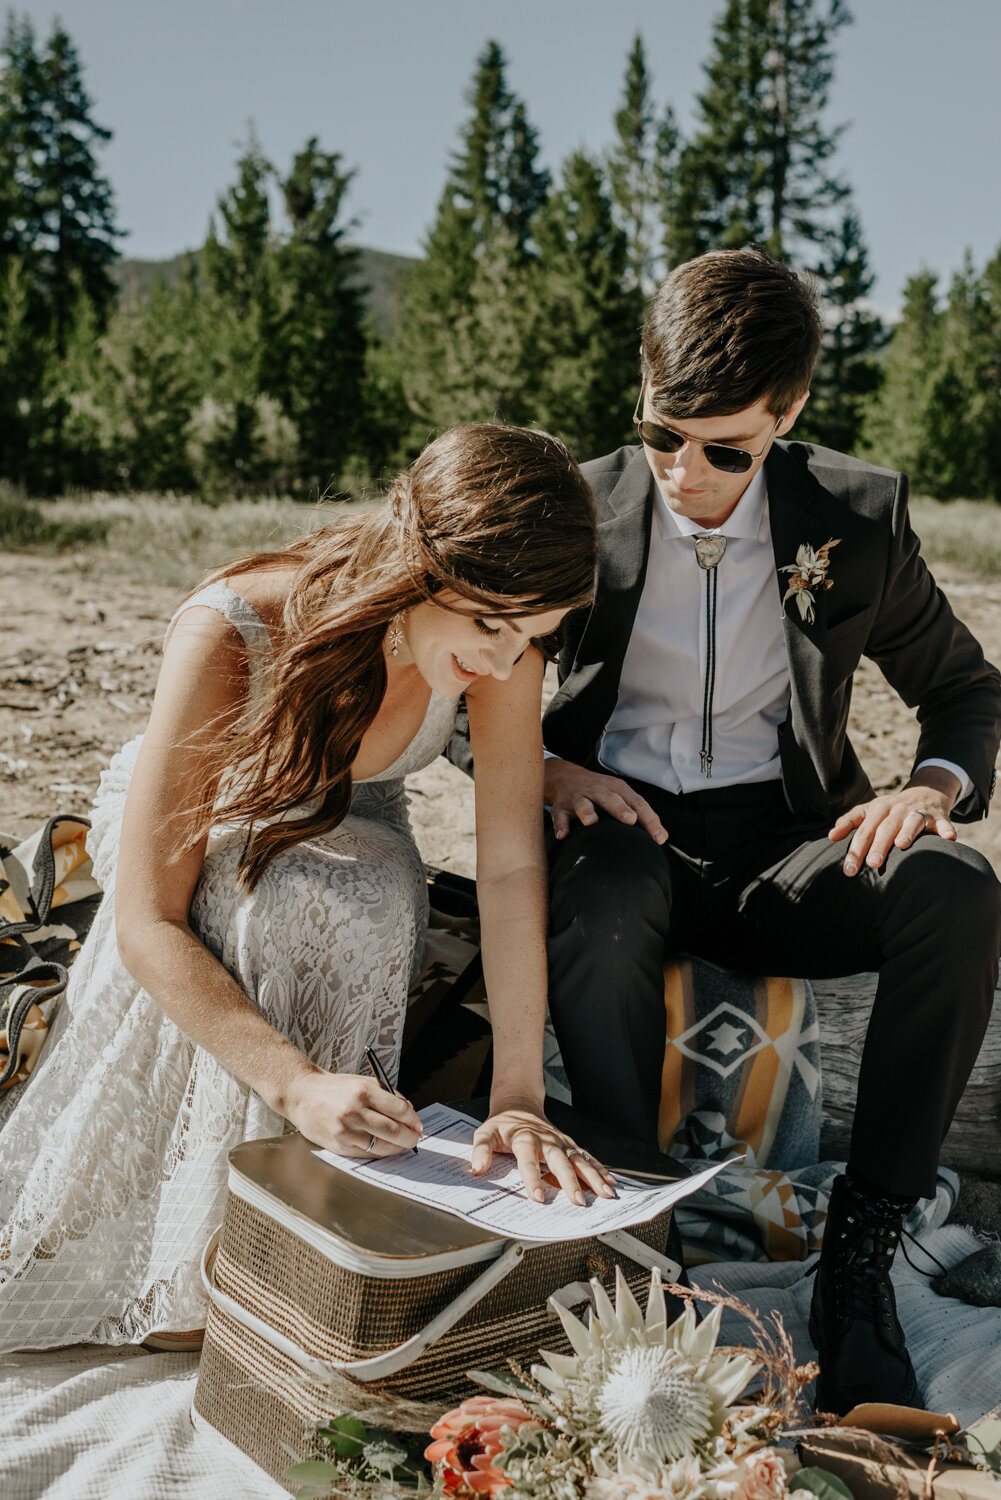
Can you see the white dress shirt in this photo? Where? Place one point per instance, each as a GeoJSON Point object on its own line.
{"type": "Point", "coordinates": [655, 731]}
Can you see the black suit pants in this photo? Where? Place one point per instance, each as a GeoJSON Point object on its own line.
{"type": "Point", "coordinates": [743, 883]}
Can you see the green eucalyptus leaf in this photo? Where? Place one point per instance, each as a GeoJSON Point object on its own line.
{"type": "Point", "coordinates": [343, 1445]}
{"type": "Point", "coordinates": [345, 1434]}
{"type": "Point", "coordinates": [313, 1468]}
{"type": "Point", "coordinates": [353, 1426]}
{"type": "Point", "coordinates": [824, 1484]}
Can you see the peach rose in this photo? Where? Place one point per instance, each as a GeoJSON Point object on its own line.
{"type": "Point", "coordinates": [468, 1441]}
{"type": "Point", "coordinates": [760, 1475]}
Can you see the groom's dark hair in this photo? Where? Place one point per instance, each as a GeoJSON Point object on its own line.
{"type": "Point", "coordinates": [725, 330]}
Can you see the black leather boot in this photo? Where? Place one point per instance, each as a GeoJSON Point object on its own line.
{"type": "Point", "coordinates": [853, 1317]}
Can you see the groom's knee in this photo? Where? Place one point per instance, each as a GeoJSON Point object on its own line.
{"type": "Point", "coordinates": [950, 891]}
{"type": "Point", "coordinates": [610, 882]}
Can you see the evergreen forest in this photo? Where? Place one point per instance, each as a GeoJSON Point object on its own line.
{"type": "Point", "coordinates": [280, 358]}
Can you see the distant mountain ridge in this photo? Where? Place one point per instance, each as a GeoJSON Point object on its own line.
{"type": "Point", "coordinates": [380, 271]}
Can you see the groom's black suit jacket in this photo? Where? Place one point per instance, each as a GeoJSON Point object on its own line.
{"type": "Point", "coordinates": [883, 604]}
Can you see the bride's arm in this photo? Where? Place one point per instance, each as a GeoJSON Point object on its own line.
{"type": "Point", "coordinates": [202, 684]}
{"type": "Point", "coordinates": [512, 893]}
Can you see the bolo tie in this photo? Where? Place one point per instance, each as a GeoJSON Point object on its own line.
{"type": "Point", "coordinates": [709, 553]}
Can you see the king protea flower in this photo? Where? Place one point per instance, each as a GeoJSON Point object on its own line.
{"type": "Point", "coordinates": [653, 1392]}
{"type": "Point", "coordinates": [468, 1442]}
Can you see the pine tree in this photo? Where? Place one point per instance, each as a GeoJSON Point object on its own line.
{"type": "Point", "coordinates": [237, 266]}
{"type": "Point", "coordinates": [57, 246]}
{"type": "Point", "coordinates": [989, 373]}
{"type": "Point", "coordinates": [75, 389]}
{"type": "Point", "coordinates": [237, 316]}
{"type": "Point", "coordinates": [848, 373]}
{"type": "Point", "coordinates": [938, 414]}
{"type": "Point", "coordinates": [60, 210]}
{"type": "Point", "coordinates": [148, 393]}
{"type": "Point", "coordinates": [82, 214]}
{"type": "Point", "coordinates": [436, 307]}
{"type": "Point", "coordinates": [389, 434]}
{"type": "Point", "coordinates": [319, 366]}
{"type": "Point", "coordinates": [895, 431]}
{"type": "Point", "coordinates": [758, 167]}
{"type": "Point", "coordinates": [465, 356]}
{"type": "Point", "coordinates": [21, 140]}
{"type": "Point", "coordinates": [964, 401]}
{"type": "Point", "coordinates": [23, 360]}
{"type": "Point", "coordinates": [587, 315]}
{"type": "Point", "coordinates": [640, 167]}
{"type": "Point", "coordinates": [495, 178]}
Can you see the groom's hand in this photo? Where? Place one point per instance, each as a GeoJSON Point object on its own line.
{"type": "Point", "coordinates": [897, 819]}
{"type": "Point", "coordinates": [572, 792]}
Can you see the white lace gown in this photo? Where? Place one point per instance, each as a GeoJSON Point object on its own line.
{"type": "Point", "coordinates": [113, 1164]}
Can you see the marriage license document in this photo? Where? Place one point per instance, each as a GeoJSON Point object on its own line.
{"type": "Point", "coordinates": [440, 1175]}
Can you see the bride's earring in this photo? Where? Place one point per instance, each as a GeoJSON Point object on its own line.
{"type": "Point", "coordinates": [395, 635]}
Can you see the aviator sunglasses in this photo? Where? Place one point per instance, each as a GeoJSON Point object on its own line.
{"type": "Point", "coordinates": [721, 455]}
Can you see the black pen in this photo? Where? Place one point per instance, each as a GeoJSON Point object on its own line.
{"type": "Point", "coordinates": [382, 1078]}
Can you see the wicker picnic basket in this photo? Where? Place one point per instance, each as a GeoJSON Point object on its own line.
{"type": "Point", "coordinates": [328, 1294]}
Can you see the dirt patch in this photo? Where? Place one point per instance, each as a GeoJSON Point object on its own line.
{"type": "Point", "coordinates": [80, 655]}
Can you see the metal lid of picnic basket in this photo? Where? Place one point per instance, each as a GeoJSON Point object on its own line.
{"type": "Point", "coordinates": [357, 1225]}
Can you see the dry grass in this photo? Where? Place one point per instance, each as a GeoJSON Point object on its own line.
{"type": "Point", "coordinates": [155, 539]}
{"type": "Point", "coordinates": [170, 540]}
{"type": "Point", "coordinates": [964, 533]}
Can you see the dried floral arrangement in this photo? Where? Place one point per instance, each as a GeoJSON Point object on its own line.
{"type": "Point", "coordinates": [642, 1409]}
{"type": "Point", "coordinates": [809, 577]}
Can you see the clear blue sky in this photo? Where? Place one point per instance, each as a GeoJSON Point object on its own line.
{"type": "Point", "coordinates": [382, 82]}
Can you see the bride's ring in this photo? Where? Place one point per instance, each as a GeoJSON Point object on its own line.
{"type": "Point", "coordinates": [371, 1146]}
{"type": "Point", "coordinates": [578, 1151]}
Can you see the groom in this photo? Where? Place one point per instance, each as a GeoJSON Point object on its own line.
{"type": "Point", "coordinates": [704, 794]}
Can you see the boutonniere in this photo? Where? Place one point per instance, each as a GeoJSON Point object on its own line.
{"type": "Point", "coordinates": [809, 577]}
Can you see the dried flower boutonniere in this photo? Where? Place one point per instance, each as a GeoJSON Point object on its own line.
{"type": "Point", "coordinates": [809, 577]}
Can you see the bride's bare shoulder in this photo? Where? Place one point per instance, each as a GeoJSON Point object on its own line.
{"type": "Point", "coordinates": [265, 590]}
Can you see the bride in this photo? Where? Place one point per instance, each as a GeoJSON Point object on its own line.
{"type": "Point", "coordinates": [265, 903]}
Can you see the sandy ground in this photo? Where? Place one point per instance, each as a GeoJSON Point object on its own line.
{"type": "Point", "coordinates": [78, 663]}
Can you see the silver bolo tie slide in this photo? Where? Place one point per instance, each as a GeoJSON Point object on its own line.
{"type": "Point", "coordinates": [709, 553]}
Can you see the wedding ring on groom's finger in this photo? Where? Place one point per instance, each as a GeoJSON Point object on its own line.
{"type": "Point", "coordinates": [371, 1146]}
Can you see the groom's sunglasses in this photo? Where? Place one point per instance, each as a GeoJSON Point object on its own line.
{"type": "Point", "coordinates": [721, 455]}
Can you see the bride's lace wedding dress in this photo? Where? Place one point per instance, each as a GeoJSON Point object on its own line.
{"type": "Point", "coordinates": [113, 1164]}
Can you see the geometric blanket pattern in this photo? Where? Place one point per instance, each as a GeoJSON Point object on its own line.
{"type": "Point", "coordinates": [48, 872]}
{"type": "Point", "coordinates": [741, 1076]}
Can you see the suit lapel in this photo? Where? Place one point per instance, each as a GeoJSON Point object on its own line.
{"type": "Point", "coordinates": [623, 548]}
{"type": "Point", "coordinates": [798, 513]}
{"type": "Point", "coordinates": [624, 533]}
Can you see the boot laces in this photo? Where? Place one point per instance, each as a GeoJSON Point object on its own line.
{"type": "Point", "coordinates": [862, 1282]}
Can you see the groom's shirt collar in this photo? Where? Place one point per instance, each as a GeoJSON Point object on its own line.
{"type": "Point", "coordinates": [747, 521]}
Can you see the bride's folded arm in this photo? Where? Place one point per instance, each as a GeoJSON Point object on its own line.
{"type": "Point", "coordinates": [512, 892]}
{"type": "Point", "coordinates": [202, 688]}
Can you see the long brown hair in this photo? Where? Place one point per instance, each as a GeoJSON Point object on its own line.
{"type": "Point", "coordinates": [500, 515]}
